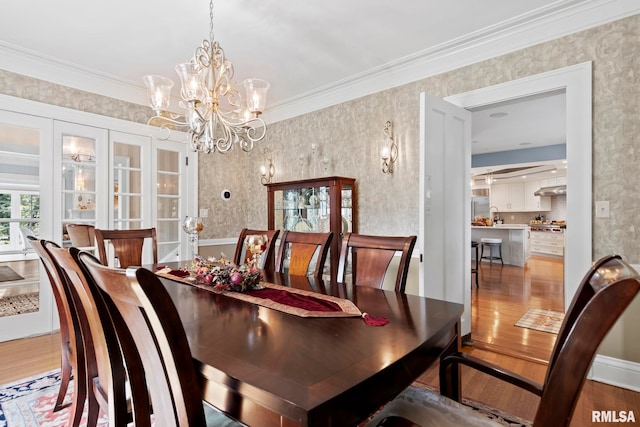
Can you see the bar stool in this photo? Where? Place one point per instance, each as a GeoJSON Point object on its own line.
{"type": "Point", "coordinates": [474, 245]}
{"type": "Point", "coordinates": [491, 243]}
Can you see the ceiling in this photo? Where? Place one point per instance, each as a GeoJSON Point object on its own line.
{"type": "Point", "coordinates": [334, 49]}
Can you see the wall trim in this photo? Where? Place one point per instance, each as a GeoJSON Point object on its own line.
{"type": "Point", "coordinates": [615, 372]}
{"type": "Point", "coordinates": [547, 23]}
{"type": "Point", "coordinates": [218, 242]}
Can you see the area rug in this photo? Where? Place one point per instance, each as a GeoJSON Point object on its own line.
{"type": "Point", "coordinates": [7, 274]}
{"type": "Point", "coordinates": [19, 304]}
{"type": "Point", "coordinates": [541, 320]}
{"type": "Point", "coordinates": [29, 403]}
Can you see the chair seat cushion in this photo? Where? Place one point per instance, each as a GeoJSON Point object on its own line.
{"type": "Point", "coordinates": [490, 240]}
{"type": "Point", "coordinates": [426, 408]}
{"type": "Point", "coordinates": [215, 418]}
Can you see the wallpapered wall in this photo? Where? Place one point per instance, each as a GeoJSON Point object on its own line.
{"type": "Point", "coordinates": [350, 135]}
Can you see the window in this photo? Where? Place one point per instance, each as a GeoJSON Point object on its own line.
{"type": "Point", "coordinates": [18, 210]}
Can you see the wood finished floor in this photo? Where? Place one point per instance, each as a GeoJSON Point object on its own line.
{"type": "Point", "coordinates": [503, 296]}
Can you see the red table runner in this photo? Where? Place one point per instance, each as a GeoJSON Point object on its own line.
{"type": "Point", "coordinates": [289, 300]}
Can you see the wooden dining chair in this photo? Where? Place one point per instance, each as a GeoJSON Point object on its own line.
{"type": "Point", "coordinates": [72, 354]}
{"type": "Point", "coordinates": [603, 295]}
{"type": "Point", "coordinates": [138, 297]}
{"type": "Point", "coordinates": [298, 249]}
{"type": "Point", "coordinates": [105, 375]}
{"type": "Point", "coordinates": [127, 245]}
{"type": "Point", "coordinates": [371, 256]}
{"type": "Point", "coordinates": [82, 235]}
{"type": "Point", "coordinates": [242, 256]}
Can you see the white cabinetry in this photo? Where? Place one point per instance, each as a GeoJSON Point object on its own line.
{"type": "Point", "coordinates": [546, 243]}
{"type": "Point", "coordinates": [532, 202]}
{"type": "Point", "coordinates": [508, 197]}
{"type": "Point", "coordinates": [519, 197]}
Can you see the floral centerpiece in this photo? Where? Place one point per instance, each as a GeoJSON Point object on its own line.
{"type": "Point", "coordinates": [224, 275]}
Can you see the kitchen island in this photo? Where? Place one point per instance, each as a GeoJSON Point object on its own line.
{"type": "Point", "coordinates": [515, 242]}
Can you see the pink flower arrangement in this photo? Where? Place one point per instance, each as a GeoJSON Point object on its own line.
{"type": "Point", "coordinates": [224, 275]}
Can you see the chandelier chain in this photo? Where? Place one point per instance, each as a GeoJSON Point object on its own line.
{"type": "Point", "coordinates": [211, 20]}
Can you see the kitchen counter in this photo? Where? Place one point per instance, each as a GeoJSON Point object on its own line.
{"type": "Point", "coordinates": [515, 241]}
{"type": "Point", "coordinates": [506, 226]}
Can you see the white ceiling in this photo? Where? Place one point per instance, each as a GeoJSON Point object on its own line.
{"type": "Point", "coordinates": [335, 48]}
{"type": "Point", "coordinates": [530, 122]}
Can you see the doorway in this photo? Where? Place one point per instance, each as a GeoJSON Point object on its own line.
{"type": "Point", "coordinates": [576, 80]}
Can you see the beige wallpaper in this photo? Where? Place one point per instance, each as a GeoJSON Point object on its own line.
{"type": "Point", "coordinates": [350, 136]}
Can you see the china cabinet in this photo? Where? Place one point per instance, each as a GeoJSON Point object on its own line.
{"type": "Point", "coordinates": [315, 205]}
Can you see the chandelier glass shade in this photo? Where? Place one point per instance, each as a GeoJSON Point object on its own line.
{"type": "Point", "coordinates": [215, 116]}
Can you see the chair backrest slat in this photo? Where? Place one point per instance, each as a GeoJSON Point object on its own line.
{"type": "Point", "coordinates": [127, 245]}
{"type": "Point", "coordinates": [371, 257]}
{"type": "Point", "coordinates": [301, 248]}
{"type": "Point", "coordinates": [242, 256]}
{"type": "Point", "coordinates": [153, 321]}
{"type": "Point", "coordinates": [81, 235]}
{"type": "Point", "coordinates": [105, 368]}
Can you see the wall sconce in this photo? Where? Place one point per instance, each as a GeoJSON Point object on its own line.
{"type": "Point", "coordinates": [389, 152]}
{"type": "Point", "coordinates": [267, 170]}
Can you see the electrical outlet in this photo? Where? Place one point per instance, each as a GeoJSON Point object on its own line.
{"type": "Point", "coordinates": [602, 209]}
{"type": "Point", "coordinates": [204, 213]}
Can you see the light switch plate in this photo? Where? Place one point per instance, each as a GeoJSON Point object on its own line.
{"type": "Point", "coordinates": [602, 209]}
{"type": "Point", "coordinates": [204, 213]}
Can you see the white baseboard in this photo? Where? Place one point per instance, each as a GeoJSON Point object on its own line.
{"type": "Point", "coordinates": [616, 372]}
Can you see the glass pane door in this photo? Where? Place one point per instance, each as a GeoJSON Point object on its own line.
{"type": "Point", "coordinates": [26, 306]}
{"type": "Point", "coordinates": [129, 187]}
{"type": "Point", "coordinates": [168, 204]}
{"type": "Point", "coordinates": [170, 162]}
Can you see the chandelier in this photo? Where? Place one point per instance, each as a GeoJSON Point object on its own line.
{"type": "Point", "coordinates": [215, 117]}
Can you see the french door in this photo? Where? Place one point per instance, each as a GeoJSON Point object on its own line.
{"type": "Point", "coordinates": [61, 167]}
{"type": "Point", "coordinates": [26, 303]}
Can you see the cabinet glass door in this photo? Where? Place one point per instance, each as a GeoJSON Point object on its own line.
{"type": "Point", "coordinates": [78, 181]}
{"type": "Point", "coordinates": [309, 209]}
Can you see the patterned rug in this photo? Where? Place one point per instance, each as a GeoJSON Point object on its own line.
{"type": "Point", "coordinates": [541, 320]}
{"type": "Point", "coordinates": [8, 275]}
{"type": "Point", "coordinates": [29, 403]}
{"type": "Point", "coordinates": [19, 304]}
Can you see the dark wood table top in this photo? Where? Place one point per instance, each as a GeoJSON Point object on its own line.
{"type": "Point", "coordinates": [266, 367]}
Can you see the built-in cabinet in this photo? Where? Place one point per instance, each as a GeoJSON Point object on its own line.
{"type": "Point", "coordinates": [519, 196]}
{"type": "Point", "coordinates": [533, 202]}
{"type": "Point", "coordinates": [315, 205]}
{"type": "Point", "coordinates": [547, 243]}
{"type": "Point", "coordinates": [508, 197]}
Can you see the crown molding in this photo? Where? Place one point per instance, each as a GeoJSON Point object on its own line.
{"type": "Point", "coordinates": [33, 64]}
{"type": "Point", "coordinates": [556, 20]}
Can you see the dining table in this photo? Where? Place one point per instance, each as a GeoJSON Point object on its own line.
{"type": "Point", "coordinates": [266, 367]}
